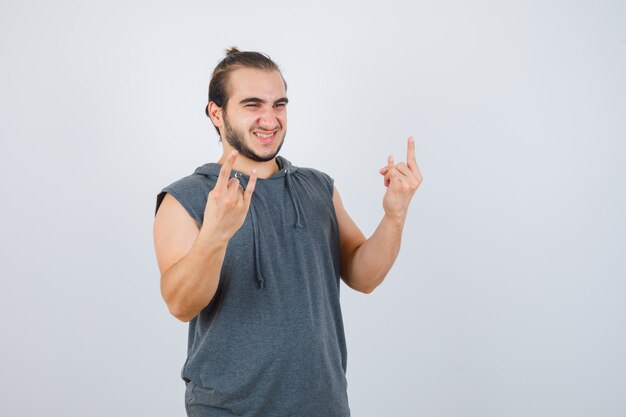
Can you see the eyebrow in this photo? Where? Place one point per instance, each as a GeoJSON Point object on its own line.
{"type": "Point", "coordinates": [258, 100]}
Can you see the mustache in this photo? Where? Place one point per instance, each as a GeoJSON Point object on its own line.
{"type": "Point", "coordinates": [271, 129]}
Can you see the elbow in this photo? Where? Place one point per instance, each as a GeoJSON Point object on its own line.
{"type": "Point", "coordinates": [183, 318]}
{"type": "Point", "coordinates": [179, 313]}
{"type": "Point", "coordinates": [367, 290]}
{"type": "Point", "coordinates": [362, 288]}
{"type": "Point", "coordinates": [183, 309]}
{"type": "Point", "coordinates": [178, 309]}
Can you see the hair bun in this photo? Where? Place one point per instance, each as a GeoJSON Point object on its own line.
{"type": "Point", "coordinates": [232, 50]}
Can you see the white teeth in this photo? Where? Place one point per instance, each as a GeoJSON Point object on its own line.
{"type": "Point", "coordinates": [263, 136]}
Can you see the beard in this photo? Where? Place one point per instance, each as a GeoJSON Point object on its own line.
{"type": "Point", "coordinates": [236, 139]}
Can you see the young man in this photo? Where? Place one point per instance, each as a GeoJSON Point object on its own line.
{"type": "Point", "coordinates": [251, 250]}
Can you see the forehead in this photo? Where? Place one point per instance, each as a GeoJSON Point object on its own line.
{"type": "Point", "coordinates": [252, 82]}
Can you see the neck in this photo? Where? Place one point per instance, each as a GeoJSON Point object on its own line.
{"type": "Point", "coordinates": [245, 165]}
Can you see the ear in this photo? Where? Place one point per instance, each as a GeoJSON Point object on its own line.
{"type": "Point", "coordinates": [216, 114]}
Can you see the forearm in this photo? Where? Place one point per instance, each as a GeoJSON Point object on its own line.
{"type": "Point", "coordinates": [366, 262]}
{"type": "Point", "coordinates": [373, 259]}
{"type": "Point", "coordinates": [189, 285]}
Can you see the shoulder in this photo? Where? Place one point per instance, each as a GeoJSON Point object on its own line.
{"type": "Point", "coordinates": [191, 192]}
{"type": "Point", "coordinates": [190, 185]}
{"type": "Point", "coordinates": [316, 176]}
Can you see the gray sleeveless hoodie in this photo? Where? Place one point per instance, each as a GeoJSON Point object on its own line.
{"type": "Point", "coordinates": [271, 341]}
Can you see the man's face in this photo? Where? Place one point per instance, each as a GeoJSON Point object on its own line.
{"type": "Point", "coordinates": [255, 121]}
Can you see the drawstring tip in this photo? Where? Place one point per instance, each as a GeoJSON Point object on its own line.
{"type": "Point", "coordinates": [261, 284]}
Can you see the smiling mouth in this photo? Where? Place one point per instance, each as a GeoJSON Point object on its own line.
{"type": "Point", "coordinates": [265, 137]}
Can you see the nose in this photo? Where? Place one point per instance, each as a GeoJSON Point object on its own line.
{"type": "Point", "coordinates": [267, 119]}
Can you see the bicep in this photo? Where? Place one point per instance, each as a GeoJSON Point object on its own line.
{"type": "Point", "coordinates": [350, 236]}
{"type": "Point", "coordinates": [174, 232]}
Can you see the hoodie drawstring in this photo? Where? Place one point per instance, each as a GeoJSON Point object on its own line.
{"type": "Point", "coordinates": [294, 198]}
{"type": "Point", "coordinates": [256, 233]}
{"type": "Point", "coordinates": [257, 247]}
{"type": "Point", "coordinates": [255, 236]}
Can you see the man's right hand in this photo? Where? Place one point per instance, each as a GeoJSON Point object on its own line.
{"type": "Point", "coordinates": [227, 204]}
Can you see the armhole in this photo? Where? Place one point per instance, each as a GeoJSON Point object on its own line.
{"type": "Point", "coordinates": [159, 200]}
{"type": "Point", "coordinates": [178, 198]}
{"type": "Point", "coordinates": [329, 182]}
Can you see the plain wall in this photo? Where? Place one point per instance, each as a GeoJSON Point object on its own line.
{"type": "Point", "coordinates": [507, 298]}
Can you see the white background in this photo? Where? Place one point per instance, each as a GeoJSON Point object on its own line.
{"type": "Point", "coordinates": [507, 298]}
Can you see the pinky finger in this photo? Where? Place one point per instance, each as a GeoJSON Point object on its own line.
{"type": "Point", "coordinates": [387, 180]}
{"type": "Point", "coordinates": [251, 185]}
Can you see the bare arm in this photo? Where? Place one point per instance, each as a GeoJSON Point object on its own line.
{"type": "Point", "coordinates": [190, 260]}
{"type": "Point", "coordinates": [366, 262]}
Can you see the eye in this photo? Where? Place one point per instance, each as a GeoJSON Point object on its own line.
{"type": "Point", "coordinates": [280, 105]}
{"type": "Point", "coordinates": [253, 105]}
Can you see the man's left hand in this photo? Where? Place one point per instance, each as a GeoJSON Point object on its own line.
{"type": "Point", "coordinates": [401, 180]}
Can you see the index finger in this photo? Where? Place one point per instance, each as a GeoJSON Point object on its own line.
{"type": "Point", "coordinates": [222, 179]}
